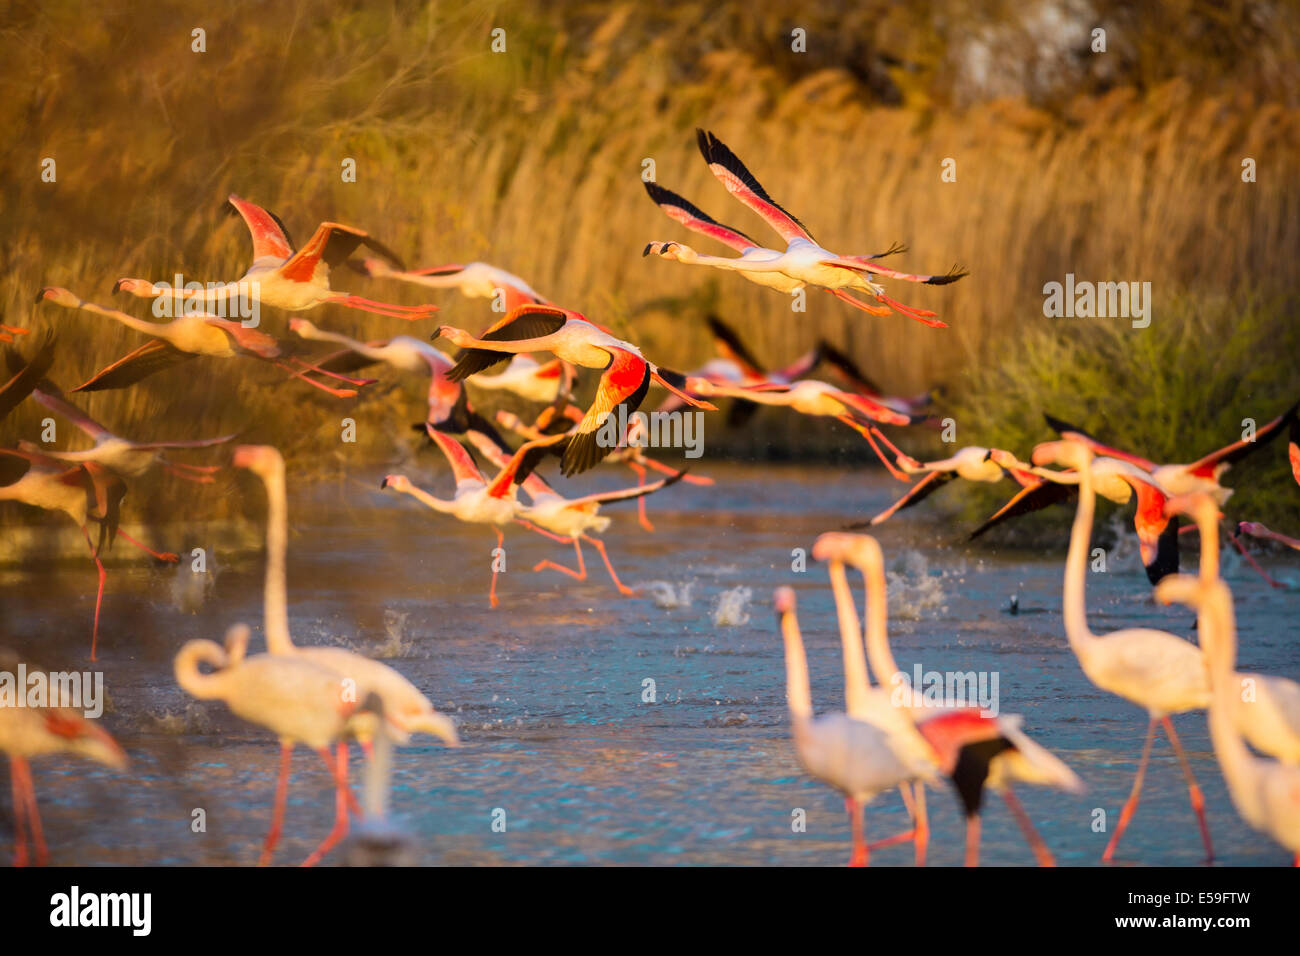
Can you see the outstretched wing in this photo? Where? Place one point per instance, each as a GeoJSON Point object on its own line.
{"type": "Point", "coordinates": [270, 238]}
{"type": "Point", "coordinates": [625, 494]}
{"type": "Point", "coordinates": [740, 182]}
{"type": "Point", "coordinates": [730, 346]}
{"type": "Point", "coordinates": [867, 264]}
{"type": "Point", "coordinates": [849, 371]}
{"type": "Point", "coordinates": [1066, 430]}
{"type": "Point", "coordinates": [1207, 466]}
{"type": "Point", "coordinates": [1028, 499]}
{"type": "Point", "coordinates": [696, 220]}
{"type": "Point", "coordinates": [332, 243]}
{"type": "Point", "coordinates": [525, 322]}
{"type": "Point", "coordinates": [522, 463]}
{"type": "Point", "coordinates": [916, 494]}
{"type": "Point", "coordinates": [50, 396]}
{"type": "Point", "coordinates": [624, 383]}
{"type": "Point", "coordinates": [154, 356]}
{"type": "Point", "coordinates": [25, 375]}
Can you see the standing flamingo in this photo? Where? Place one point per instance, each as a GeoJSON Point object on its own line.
{"type": "Point", "coordinates": [975, 750]}
{"type": "Point", "coordinates": [857, 758]}
{"type": "Point", "coordinates": [1265, 792]}
{"type": "Point", "coordinates": [569, 336]}
{"type": "Point", "coordinates": [283, 278]}
{"type": "Point", "coordinates": [567, 520]}
{"type": "Point", "coordinates": [1156, 670]}
{"type": "Point", "coordinates": [27, 732]}
{"type": "Point", "coordinates": [803, 260]}
{"type": "Point", "coordinates": [86, 492]}
{"type": "Point", "coordinates": [297, 699]}
{"type": "Point", "coordinates": [186, 337]}
{"type": "Point", "coordinates": [478, 501]}
{"type": "Point", "coordinates": [477, 280]}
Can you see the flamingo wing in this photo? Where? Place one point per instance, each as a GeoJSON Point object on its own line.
{"type": "Point", "coordinates": [1293, 449]}
{"type": "Point", "coordinates": [521, 464]}
{"type": "Point", "coordinates": [868, 265]}
{"type": "Point", "coordinates": [270, 238]}
{"type": "Point", "coordinates": [849, 371]}
{"type": "Point", "coordinates": [730, 346]}
{"type": "Point", "coordinates": [741, 183]}
{"type": "Point", "coordinates": [462, 463]}
{"type": "Point", "coordinates": [525, 322]}
{"type": "Point", "coordinates": [249, 341]}
{"type": "Point", "coordinates": [626, 494]}
{"type": "Point", "coordinates": [105, 490]}
{"type": "Point", "coordinates": [1230, 454]}
{"type": "Point", "coordinates": [195, 443]}
{"type": "Point", "coordinates": [803, 366]}
{"type": "Point", "coordinates": [136, 365]}
{"type": "Point", "coordinates": [332, 243]}
{"type": "Point", "coordinates": [49, 396]}
{"type": "Point", "coordinates": [1066, 430]}
{"type": "Point", "coordinates": [696, 220]}
{"type": "Point", "coordinates": [875, 410]}
{"type": "Point", "coordinates": [25, 376]}
{"type": "Point", "coordinates": [625, 382]}
{"type": "Point", "coordinates": [1028, 499]}
{"type": "Point", "coordinates": [915, 495]}
{"type": "Point", "coordinates": [491, 445]}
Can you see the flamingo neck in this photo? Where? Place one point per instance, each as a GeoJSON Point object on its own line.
{"type": "Point", "coordinates": [1219, 640]}
{"type": "Point", "coordinates": [1209, 570]}
{"type": "Point", "coordinates": [797, 687]}
{"type": "Point", "coordinates": [192, 680]}
{"type": "Point", "coordinates": [437, 504]}
{"type": "Point", "coordinates": [877, 636]}
{"type": "Point", "coordinates": [275, 594]}
{"type": "Point", "coordinates": [1076, 567]}
{"type": "Point", "coordinates": [857, 682]}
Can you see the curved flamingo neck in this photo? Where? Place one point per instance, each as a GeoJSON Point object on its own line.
{"type": "Point", "coordinates": [437, 504]}
{"type": "Point", "coordinates": [275, 593]}
{"type": "Point", "coordinates": [192, 680]}
{"type": "Point", "coordinates": [877, 636]}
{"type": "Point", "coordinates": [1074, 604]}
{"type": "Point", "coordinates": [1219, 630]}
{"type": "Point", "coordinates": [857, 682]}
{"type": "Point", "coordinates": [797, 686]}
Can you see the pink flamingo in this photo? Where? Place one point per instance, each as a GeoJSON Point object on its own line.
{"type": "Point", "coordinates": [286, 279]}
{"type": "Point", "coordinates": [477, 280]}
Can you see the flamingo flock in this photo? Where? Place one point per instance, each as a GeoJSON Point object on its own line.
{"type": "Point", "coordinates": [886, 737]}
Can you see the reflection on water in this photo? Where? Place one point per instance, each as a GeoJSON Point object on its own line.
{"type": "Point", "coordinates": [550, 690]}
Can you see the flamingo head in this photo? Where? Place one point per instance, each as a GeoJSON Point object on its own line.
{"type": "Point", "coordinates": [1005, 458]}
{"type": "Point", "coordinates": [261, 460]}
{"type": "Point", "coordinates": [1252, 528]}
{"type": "Point", "coordinates": [429, 721]}
{"type": "Point", "coordinates": [783, 601]}
{"type": "Point", "coordinates": [396, 482]}
{"type": "Point", "coordinates": [1183, 588]}
{"type": "Point", "coordinates": [302, 327]}
{"type": "Point", "coordinates": [859, 550]}
{"type": "Point", "coordinates": [136, 287]}
{"type": "Point", "coordinates": [58, 295]}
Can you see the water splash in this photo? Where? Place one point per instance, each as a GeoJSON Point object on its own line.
{"type": "Point", "coordinates": [912, 590]}
{"type": "Point", "coordinates": [731, 609]}
{"type": "Point", "coordinates": [665, 594]}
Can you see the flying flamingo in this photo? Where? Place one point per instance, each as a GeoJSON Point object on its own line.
{"type": "Point", "coordinates": [25, 376]}
{"type": "Point", "coordinates": [1265, 792]}
{"type": "Point", "coordinates": [567, 519]}
{"type": "Point", "coordinates": [297, 699]}
{"type": "Point", "coordinates": [569, 336]}
{"type": "Point", "coordinates": [130, 459]}
{"type": "Point", "coordinates": [975, 750]}
{"type": "Point", "coordinates": [803, 260]}
{"type": "Point", "coordinates": [283, 278]}
{"type": "Point", "coordinates": [85, 492]}
{"type": "Point", "coordinates": [811, 397]}
{"type": "Point", "coordinates": [857, 758]}
{"type": "Point", "coordinates": [477, 280]}
{"type": "Point", "coordinates": [187, 337]}
{"type": "Point", "coordinates": [478, 501]}
{"type": "Point", "coordinates": [404, 705]}
{"type": "Point", "coordinates": [27, 732]}
{"type": "Point", "coordinates": [858, 382]}
{"type": "Point", "coordinates": [1269, 716]}
{"type": "Point", "coordinates": [1156, 670]}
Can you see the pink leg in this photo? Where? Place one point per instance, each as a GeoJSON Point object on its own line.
{"type": "Point", "coordinates": [1041, 852]}
{"type": "Point", "coordinates": [277, 811]}
{"type": "Point", "coordinates": [861, 852]}
{"type": "Point", "coordinates": [1253, 563]}
{"type": "Point", "coordinates": [641, 515]}
{"type": "Point", "coordinates": [542, 531]}
{"type": "Point", "coordinates": [919, 831]}
{"type": "Point", "coordinates": [20, 813]}
{"type": "Point", "coordinates": [866, 432]}
{"type": "Point", "coordinates": [160, 555]}
{"type": "Point", "coordinates": [337, 392]}
{"type": "Point", "coordinates": [340, 807]}
{"type": "Point", "coordinates": [42, 853]}
{"type": "Point", "coordinates": [309, 367]}
{"type": "Point", "coordinates": [172, 469]}
{"type": "Point", "coordinates": [600, 546]}
{"type": "Point", "coordinates": [99, 597]}
{"type": "Point", "coordinates": [348, 797]}
{"type": "Point", "coordinates": [973, 840]}
{"type": "Point", "coordinates": [1130, 805]}
{"type": "Point", "coordinates": [666, 470]}
{"type": "Point", "coordinates": [1193, 789]}
{"type": "Point", "coordinates": [409, 312]}
{"type": "Point", "coordinates": [924, 316]}
{"type": "Point", "coordinates": [578, 575]}
{"type": "Point", "coordinates": [858, 303]}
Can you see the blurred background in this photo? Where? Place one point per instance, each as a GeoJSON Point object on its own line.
{"type": "Point", "coordinates": [1123, 165]}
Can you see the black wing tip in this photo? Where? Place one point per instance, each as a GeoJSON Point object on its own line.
{"type": "Point", "coordinates": [1057, 425]}
{"type": "Point", "coordinates": [952, 275]}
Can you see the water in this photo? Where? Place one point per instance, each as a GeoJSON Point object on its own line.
{"type": "Point", "coordinates": [548, 690]}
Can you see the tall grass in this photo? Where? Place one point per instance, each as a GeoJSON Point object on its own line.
{"type": "Point", "coordinates": [532, 158]}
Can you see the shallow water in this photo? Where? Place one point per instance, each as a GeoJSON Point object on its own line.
{"type": "Point", "coordinates": [547, 690]}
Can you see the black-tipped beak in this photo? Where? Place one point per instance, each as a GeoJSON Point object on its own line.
{"type": "Point", "coordinates": [40, 295]}
{"type": "Point", "coordinates": [646, 251]}
{"type": "Point", "coordinates": [383, 483]}
{"type": "Point", "coordinates": [988, 454]}
{"type": "Point", "coordinates": [117, 286]}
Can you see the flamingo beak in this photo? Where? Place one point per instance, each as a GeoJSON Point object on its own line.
{"type": "Point", "coordinates": [117, 286]}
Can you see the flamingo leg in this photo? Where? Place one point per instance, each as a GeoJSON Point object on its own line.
{"type": "Point", "coordinates": [20, 815]}
{"type": "Point", "coordinates": [641, 516]}
{"type": "Point", "coordinates": [921, 834]}
{"type": "Point", "coordinates": [309, 367]}
{"type": "Point", "coordinates": [353, 807]}
{"type": "Point", "coordinates": [175, 470]}
{"type": "Point", "coordinates": [1041, 852]}
{"type": "Point", "coordinates": [600, 546]}
{"type": "Point", "coordinates": [411, 313]}
{"type": "Point", "coordinates": [866, 432]}
{"type": "Point", "coordinates": [904, 791]}
{"type": "Point", "coordinates": [973, 840]}
{"type": "Point", "coordinates": [99, 596]}
{"type": "Point", "coordinates": [160, 555]}
{"type": "Point", "coordinates": [542, 531]}
{"type": "Point", "coordinates": [578, 575]}
{"type": "Point", "coordinates": [1193, 789]}
{"type": "Point", "coordinates": [340, 829]}
{"type": "Point", "coordinates": [861, 852]}
{"type": "Point", "coordinates": [663, 469]}
{"type": "Point", "coordinates": [277, 811]}
{"type": "Point", "coordinates": [924, 316]}
{"type": "Point", "coordinates": [41, 852]}
{"type": "Point", "coordinates": [1252, 562]}
{"type": "Point", "coordinates": [296, 373]}
{"type": "Point", "coordinates": [492, 592]}
{"type": "Point", "coordinates": [1130, 805]}
{"type": "Point", "coordinates": [859, 304]}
